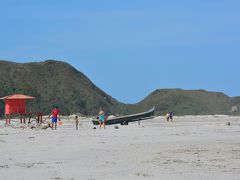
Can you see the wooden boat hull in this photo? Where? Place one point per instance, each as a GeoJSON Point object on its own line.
{"type": "Point", "coordinates": [124, 120]}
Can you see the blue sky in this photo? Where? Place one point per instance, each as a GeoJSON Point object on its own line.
{"type": "Point", "coordinates": [129, 48]}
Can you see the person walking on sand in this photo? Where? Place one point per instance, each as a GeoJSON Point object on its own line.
{"type": "Point", "coordinates": [171, 116]}
{"type": "Point", "coordinates": [167, 117]}
{"type": "Point", "coordinates": [77, 122]}
{"type": "Point", "coordinates": [55, 115]}
{"type": "Point", "coordinates": [101, 118]}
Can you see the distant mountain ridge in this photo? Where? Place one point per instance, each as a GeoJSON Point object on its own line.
{"type": "Point", "coordinates": [190, 102]}
{"type": "Point", "coordinates": [58, 83]}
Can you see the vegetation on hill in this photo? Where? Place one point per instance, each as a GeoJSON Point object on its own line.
{"type": "Point", "coordinates": [55, 83]}
{"type": "Point", "coordinates": [187, 102]}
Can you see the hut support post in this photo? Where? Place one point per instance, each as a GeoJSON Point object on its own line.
{"type": "Point", "coordinates": [29, 117]}
{"type": "Point", "coordinates": [8, 119]}
{"type": "Point", "coordinates": [22, 119]}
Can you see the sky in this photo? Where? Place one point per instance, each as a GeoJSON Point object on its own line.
{"type": "Point", "coordinates": [129, 48]}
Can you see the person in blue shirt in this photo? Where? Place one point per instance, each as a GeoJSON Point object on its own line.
{"type": "Point", "coordinates": [101, 118]}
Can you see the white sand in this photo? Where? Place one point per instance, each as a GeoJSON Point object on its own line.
{"type": "Point", "coordinates": [193, 147]}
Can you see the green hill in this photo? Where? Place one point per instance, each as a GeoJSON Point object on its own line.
{"type": "Point", "coordinates": [235, 104]}
{"type": "Point", "coordinates": [56, 83]}
{"type": "Point", "coordinates": [188, 102]}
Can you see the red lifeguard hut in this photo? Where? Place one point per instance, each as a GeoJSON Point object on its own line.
{"type": "Point", "coordinates": [16, 104]}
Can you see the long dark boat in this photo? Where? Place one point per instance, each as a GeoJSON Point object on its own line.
{"type": "Point", "coordinates": [124, 120]}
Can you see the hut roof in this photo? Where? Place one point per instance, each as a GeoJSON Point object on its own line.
{"type": "Point", "coordinates": [17, 96]}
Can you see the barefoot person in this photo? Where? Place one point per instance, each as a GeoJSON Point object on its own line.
{"type": "Point", "coordinates": [55, 115]}
{"type": "Point", "coordinates": [77, 122]}
{"type": "Point", "coordinates": [167, 117]}
{"type": "Point", "coordinates": [101, 118]}
{"type": "Point", "coordinates": [171, 116]}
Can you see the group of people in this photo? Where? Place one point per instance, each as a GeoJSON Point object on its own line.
{"type": "Point", "coordinates": [102, 118]}
{"type": "Point", "coordinates": [55, 117]}
{"type": "Point", "coordinates": [169, 116]}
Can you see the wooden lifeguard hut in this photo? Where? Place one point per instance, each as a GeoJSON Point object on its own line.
{"type": "Point", "coordinates": [16, 104]}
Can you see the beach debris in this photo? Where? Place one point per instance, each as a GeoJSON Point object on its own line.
{"type": "Point", "coordinates": [4, 166]}
{"type": "Point", "coordinates": [44, 127]}
{"type": "Point", "coordinates": [116, 127]}
{"type": "Point", "coordinates": [25, 165]}
{"type": "Point", "coordinates": [228, 123]}
{"type": "Point", "coordinates": [143, 174]}
{"type": "Point", "coordinates": [57, 178]}
{"type": "Point", "coordinates": [30, 126]}
{"type": "Point", "coordinates": [94, 128]}
{"type": "Point", "coordinates": [3, 134]}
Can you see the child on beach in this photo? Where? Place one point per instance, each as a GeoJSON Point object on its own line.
{"type": "Point", "coordinates": [77, 122]}
{"type": "Point", "coordinates": [101, 118]}
{"type": "Point", "coordinates": [167, 117]}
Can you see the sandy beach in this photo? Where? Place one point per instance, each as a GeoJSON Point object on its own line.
{"type": "Point", "coordinates": [192, 147]}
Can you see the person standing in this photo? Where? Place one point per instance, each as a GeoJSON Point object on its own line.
{"type": "Point", "coordinates": [101, 118]}
{"type": "Point", "coordinates": [77, 122]}
{"type": "Point", "coordinates": [167, 117]}
{"type": "Point", "coordinates": [55, 115]}
{"type": "Point", "coordinates": [171, 116]}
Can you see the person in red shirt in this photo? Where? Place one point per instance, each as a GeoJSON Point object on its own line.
{"type": "Point", "coordinates": [55, 115]}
